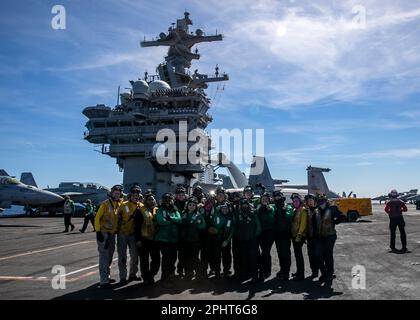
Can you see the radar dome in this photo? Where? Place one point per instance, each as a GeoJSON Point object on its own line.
{"type": "Point", "coordinates": [158, 85]}
{"type": "Point", "coordinates": [140, 87]}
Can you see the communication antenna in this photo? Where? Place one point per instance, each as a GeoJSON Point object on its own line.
{"type": "Point", "coordinates": [118, 96]}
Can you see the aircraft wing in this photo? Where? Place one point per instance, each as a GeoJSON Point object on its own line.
{"type": "Point", "coordinates": [74, 194]}
{"type": "Point", "coordinates": [279, 181]}
{"type": "Point", "coordinates": [380, 198]}
{"type": "Point", "coordinates": [290, 186]}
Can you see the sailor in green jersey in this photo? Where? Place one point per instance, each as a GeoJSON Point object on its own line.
{"type": "Point", "coordinates": [180, 202]}
{"type": "Point", "coordinates": [234, 209]}
{"type": "Point", "coordinates": [249, 194]}
{"type": "Point", "coordinates": [189, 237]}
{"type": "Point", "coordinates": [168, 221]}
{"type": "Point", "coordinates": [283, 233]}
{"type": "Point", "coordinates": [266, 214]}
{"type": "Point", "coordinates": [210, 236]}
{"type": "Point", "coordinates": [89, 216]}
{"type": "Point", "coordinates": [247, 228]}
{"type": "Point", "coordinates": [222, 230]}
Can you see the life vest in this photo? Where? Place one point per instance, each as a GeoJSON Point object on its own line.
{"type": "Point", "coordinates": [68, 207]}
{"type": "Point", "coordinates": [126, 217]}
{"type": "Point", "coordinates": [300, 222]}
{"type": "Point", "coordinates": [309, 230]}
{"type": "Point", "coordinates": [106, 216]}
{"type": "Point", "coordinates": [148, 228]}
{"type": "Point", "coordinates": [325, 224]}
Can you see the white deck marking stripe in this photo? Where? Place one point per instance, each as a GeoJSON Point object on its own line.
{"type": "Point", "coordinates": [66, 275]}
{"type": "Point", "coordinates": [43, 250]}
{"type": "Point", "coordinates": [83, 269]}
{"type": "Point", "coordinates": [14, 278]}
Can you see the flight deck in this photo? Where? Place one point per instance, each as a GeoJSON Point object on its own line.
{"type": "Point", "coordinates": [31, 247]}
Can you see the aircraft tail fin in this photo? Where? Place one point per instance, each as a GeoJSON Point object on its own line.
{"type": "Point", "coordinates": [317, 183]}
{"type": "Point", "coordinates": [238, 179]}
{"type": "Point", "coordinates": [3, 173]}
{"type": "Point", "coordinates": [28, 178]}
{"type": "Point", "coordinates": [260, 174]}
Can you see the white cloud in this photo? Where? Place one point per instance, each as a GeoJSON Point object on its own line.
{"type": "Point", "coordinates": [414, 114]}
{"type": "Point", "coordinates": [333, 126]}
{"type": "Point", "coordinates": [316, 54]}
{"type": "Point", "coordinates": [302, 155]}
{"type": "Point", "coordinates": [143, 59]}
{"type": "Point", "coordinates": [97, 92]}
{"type": "Point", "coordinates": [395, 154]}
{"type": "Point", "coordinates": [364, 164]}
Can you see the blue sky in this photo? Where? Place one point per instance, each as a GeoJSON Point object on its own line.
{"type": "Point", "coordinates": [327, 92]}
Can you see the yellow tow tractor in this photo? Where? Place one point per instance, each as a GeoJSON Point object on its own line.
{"type": "Point", "coordinates": [353, 208]}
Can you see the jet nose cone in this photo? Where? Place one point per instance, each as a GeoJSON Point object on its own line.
{"type": "Point", "coordinates": [50, 197]}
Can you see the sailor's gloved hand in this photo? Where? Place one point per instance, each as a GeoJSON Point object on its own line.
{"type": "Point", "coordinates": [298, 238]}
{"type": "Point", "coordinates": [139, 244]}
{"type": "Point", "coordinates": [224, 244]}
{"type": "Point", "coordinates": [212, 230]}
{"type": "Point", "coordinates": [99, 236]}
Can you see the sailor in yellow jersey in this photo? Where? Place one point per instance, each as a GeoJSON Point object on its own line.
{"type": "Point", "coordinates": [299, 228]}
{"type": "Point", "coordinates": [106, 226]}
{"type": "Point", "coordinates": [144, 230]}
{"type": "Point", "coordinates": [126, 236]}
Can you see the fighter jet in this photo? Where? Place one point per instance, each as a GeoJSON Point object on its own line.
{"type": "Point", "coordinates": [381, 198]}
{"type": "Point", "coordinates": [414, 198]}
{"type": "Point", "coordinates": [408, 195]}
{"type": "Point", "coordinates": [78, 191]}
{"type": "Point", "coordinates": [260, 178]}
{"type": "Point", "coordinates": [14, 192]}
{"type": "Point", "coordinates": [404, 196]}
{"type": "Point", "coordinates": [81, 191]}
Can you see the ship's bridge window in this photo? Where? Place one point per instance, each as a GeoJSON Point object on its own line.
{"type": "Point", "coordinates": [112, 124]}
{"type": "Point", "coordinates": [99, 124]}
{"type": "Point", "coordinates": [89, 125]}
{"type": "Point", "coordinates": [125, 123]}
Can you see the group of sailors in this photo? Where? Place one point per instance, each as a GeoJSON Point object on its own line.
{"type": "Point", "coordinates": [199, 236]}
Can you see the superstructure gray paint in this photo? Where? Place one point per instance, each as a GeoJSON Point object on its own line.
{"type": "Point", "coordinates": [128, 131]}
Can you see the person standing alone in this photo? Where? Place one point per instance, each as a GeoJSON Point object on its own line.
{"type": "Point", "coordinates": [395, 207]}
{"type": "Point", "coordinates": [68, 212]}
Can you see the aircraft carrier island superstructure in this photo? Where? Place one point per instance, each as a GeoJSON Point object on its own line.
{"type": "Point", "coordinates": [128, 131]}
